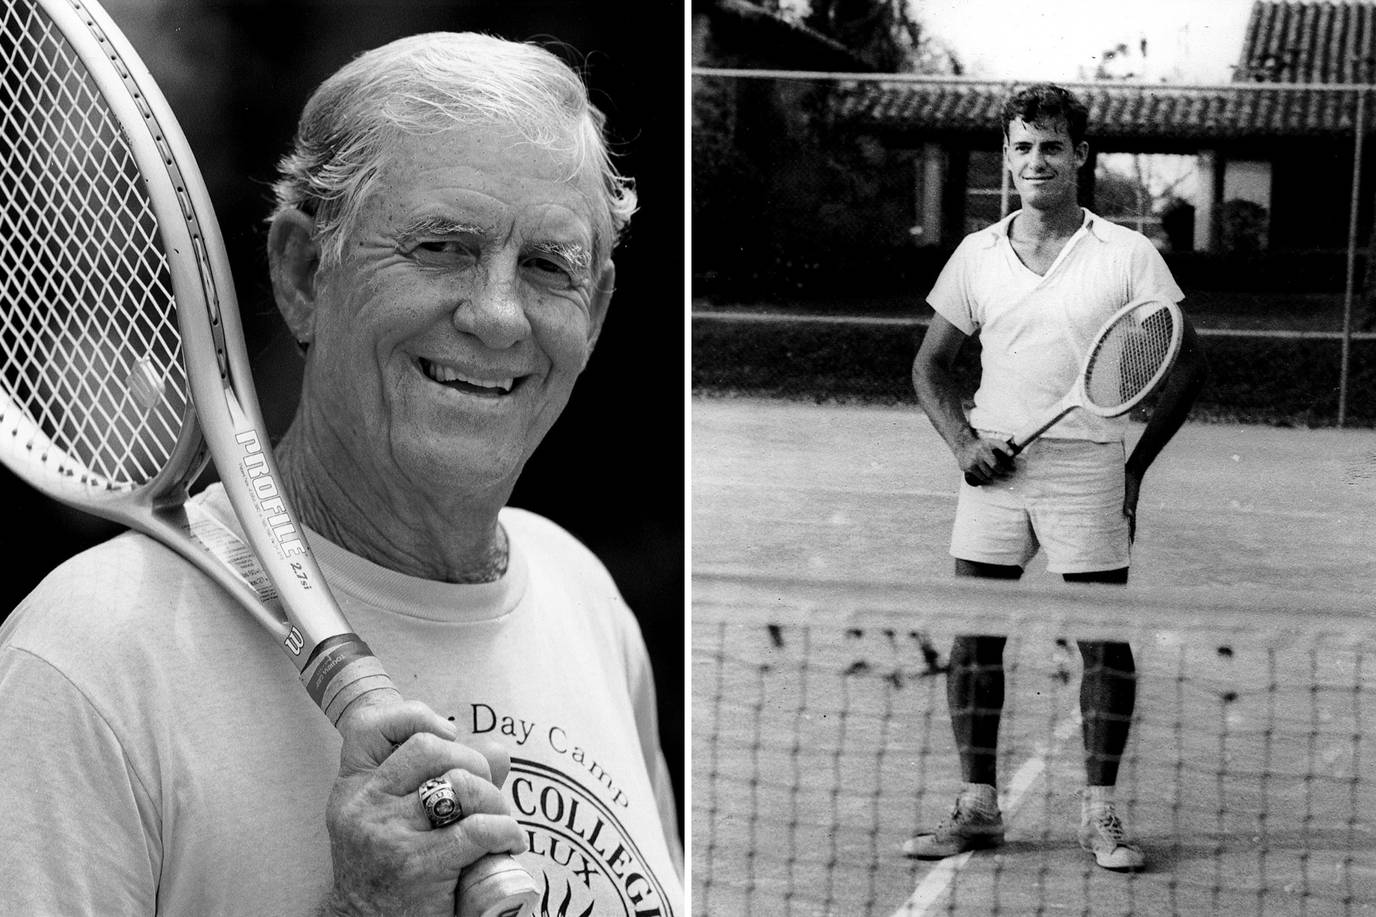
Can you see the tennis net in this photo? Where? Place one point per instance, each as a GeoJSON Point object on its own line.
{"type": "Point", "coordinates": [822, 741]}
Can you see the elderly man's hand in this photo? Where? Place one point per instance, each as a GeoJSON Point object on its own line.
{"type": "Point", "coordinates": [387, 858]}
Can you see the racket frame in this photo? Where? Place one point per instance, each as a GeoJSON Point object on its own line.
{"type": "Point", "coordinates": [299, 610]}
{"type": "Point", "coordinates": [223, 421]}
{"type": "Point", "coordinates": [1077, 397]}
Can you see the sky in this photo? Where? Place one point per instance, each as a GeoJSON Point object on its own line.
{"type": "Point", "coordinates": [1188, 41]}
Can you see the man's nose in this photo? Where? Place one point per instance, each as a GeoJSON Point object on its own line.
{"type": "Point", "coordinates": [494, 311]}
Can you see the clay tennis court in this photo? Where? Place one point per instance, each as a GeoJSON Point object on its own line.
{"type": "Point", "coordinates": [821, 740]}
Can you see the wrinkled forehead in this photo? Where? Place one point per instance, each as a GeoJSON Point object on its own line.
{"type": "Point", "coordinates": [563, 163]}
{"type": "Point", "coordinates": [497, 162]}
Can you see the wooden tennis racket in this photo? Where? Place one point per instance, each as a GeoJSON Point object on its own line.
{"type": "Point", "coordinates": [1130, 355]}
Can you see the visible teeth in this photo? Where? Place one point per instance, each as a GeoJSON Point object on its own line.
{"type": "Point", "coordinates": [449, 374]}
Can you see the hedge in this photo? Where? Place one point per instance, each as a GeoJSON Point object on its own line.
{"type": "Point", "coordinates": [1274, 380]}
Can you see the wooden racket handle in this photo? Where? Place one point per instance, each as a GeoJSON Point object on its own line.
{"type": "Point", "coordinates": [970, 479]}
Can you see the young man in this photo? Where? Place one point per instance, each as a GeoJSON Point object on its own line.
{"type": "Point", "coordinates": [1035, 287]}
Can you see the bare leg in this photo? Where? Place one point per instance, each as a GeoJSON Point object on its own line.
{"type": "Point", "coordinates": [1108, 695]}
{"type": "Point", "coordinates": [974, 694]}
{"type": "Point", "coordinates": [975, 688]}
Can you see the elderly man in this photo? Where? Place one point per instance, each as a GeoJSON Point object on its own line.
{"type": "Point", "coordinates": [441, 249]}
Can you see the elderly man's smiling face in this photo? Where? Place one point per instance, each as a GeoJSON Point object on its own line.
{"type": "Point", "coordinates": [467, 302]}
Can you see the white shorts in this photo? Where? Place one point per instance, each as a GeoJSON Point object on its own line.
{"type": "Point", "coordinates": [1064, 495]}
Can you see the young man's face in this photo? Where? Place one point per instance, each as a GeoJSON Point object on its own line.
{"type": "Point", "coordinates": [1044, 162]}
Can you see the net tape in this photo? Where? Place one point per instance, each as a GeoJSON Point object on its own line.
{"type": "Point", "coordinates": [92, 370]}
{"type": "Point", "coordinates": [822, 741]}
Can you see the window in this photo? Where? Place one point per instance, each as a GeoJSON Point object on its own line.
{"type": "Point", "coordinates": [988, 197]}
{"type": "Point", "coordinates": [1153, 193]}
{"type": "Point", "coordinates": [1246, 206]}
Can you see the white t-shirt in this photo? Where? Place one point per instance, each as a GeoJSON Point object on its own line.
{"type": "Point", "coordinates": [1035, 329]}
{"type": "Point", "coordinates": [158, 754]}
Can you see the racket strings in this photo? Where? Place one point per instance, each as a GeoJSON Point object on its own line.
{"type": "Point", "coordinates": [94, 387]}
{"type": "Point", "coordinates": [1128, 357]}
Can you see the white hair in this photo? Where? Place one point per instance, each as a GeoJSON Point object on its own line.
{"type": "Point", "coordinates": [427, 84]}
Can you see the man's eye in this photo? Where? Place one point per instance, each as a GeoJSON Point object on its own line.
{"type": "Point", "coordinates": [442, 247]}
{"type": "Point", "coordinates": [550, 269]}
{"type": "Point", "coordinates": [545, 264]}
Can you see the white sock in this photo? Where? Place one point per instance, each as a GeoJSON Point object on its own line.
{"type": "Point", "coordinates": [984, 796]}
{"type": "Point", "coordinates": [1094, 800]}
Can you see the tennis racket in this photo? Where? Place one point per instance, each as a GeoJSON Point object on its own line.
{"type": "Point", "coordinates": [124, 366]}
{"type": "Point", "coordinates": [1129, 357]}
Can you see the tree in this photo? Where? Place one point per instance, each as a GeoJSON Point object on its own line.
{"type": "Point", "coordinates": [886, 33]}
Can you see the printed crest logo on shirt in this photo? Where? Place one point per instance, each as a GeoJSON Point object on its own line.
{"type": "Point", "coordinates": [578, 844]}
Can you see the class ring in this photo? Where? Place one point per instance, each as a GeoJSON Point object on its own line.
{"type": "Point", "coordinates": [440, 803]}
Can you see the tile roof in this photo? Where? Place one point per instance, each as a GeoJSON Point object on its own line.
{"type": "Point", "coordinates": [1309, 41]}
{"type": "Point", "coordinates": [1116, 109]}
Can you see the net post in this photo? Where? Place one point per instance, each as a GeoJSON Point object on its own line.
{"type": "Point", "coordinates": [1345, 362]}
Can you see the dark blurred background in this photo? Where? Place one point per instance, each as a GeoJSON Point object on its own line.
{"type": "Point", "coordinates": [237, 73]}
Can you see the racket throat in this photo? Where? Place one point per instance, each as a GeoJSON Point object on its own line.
{"type": "Point", "coordinates": [1022, 440]}
{"type": "Point", "coordinates": [339, 671]}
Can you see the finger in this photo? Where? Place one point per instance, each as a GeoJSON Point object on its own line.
{"type": "Point", "coordinates": [456, 846]}
{"type": "Point", "coordinates": [372, 731]}
{"type": "Point", "coordinates": [498, 758]}
{"type": "Point", "coordinates": [474, 795]}
{"type": "Point", "coordinates": [423, 756]}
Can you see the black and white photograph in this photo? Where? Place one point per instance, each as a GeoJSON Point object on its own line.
{"type": "Point", "coordinates": [344, 439]}
{"type": "Point", "coordinates": [1033, 367]}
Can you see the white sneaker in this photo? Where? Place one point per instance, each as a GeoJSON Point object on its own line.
{"type": "Point", "coordinates": [1102, 834]}
{"type": "Point", "coordinates": [966, 828]}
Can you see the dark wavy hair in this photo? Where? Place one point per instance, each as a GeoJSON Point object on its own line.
{"type": "Point", "coordinates": [1046, 102]}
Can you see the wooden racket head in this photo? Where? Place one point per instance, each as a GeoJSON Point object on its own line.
{"type": "Point", "coordinates": [1131, 354]}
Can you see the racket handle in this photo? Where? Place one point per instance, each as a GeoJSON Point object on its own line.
{"type": "Point", "coordinates": [1013, 450]}
{"type": "Point", "coordinates": [496, 886]}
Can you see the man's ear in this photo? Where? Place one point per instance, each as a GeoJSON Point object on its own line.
{"type": "Point", "coordinates": [601, 300]}
{"type": "Point", "coordinates": [1081, 153]}
{"type": "Point", "coordinates": [293, 259]}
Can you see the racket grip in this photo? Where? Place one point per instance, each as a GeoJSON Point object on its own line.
{"type": "Point", "coordinates": [1013, 450]}
{"type": "Point", "coordinates": [496, 886]}
{"type": "Point", "coordinates": [345, 673]}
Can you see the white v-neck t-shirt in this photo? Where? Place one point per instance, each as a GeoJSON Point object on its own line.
{"type": "Point", "coordinates": [1035, 329]}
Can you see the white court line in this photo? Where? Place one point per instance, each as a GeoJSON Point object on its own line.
{"type": "Point", "coordinates": [934, 885]}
